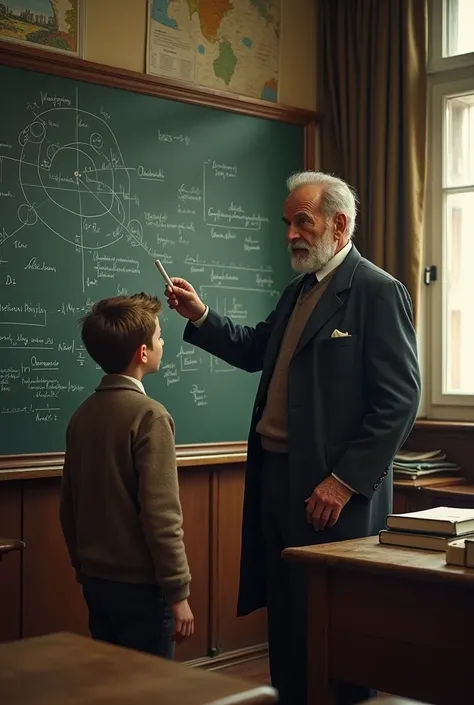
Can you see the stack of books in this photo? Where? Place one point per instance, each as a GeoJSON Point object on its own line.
{"type": "Point", "coordinates": [430, 529]}
{"type": "Point", "coordinates": [432, 464]}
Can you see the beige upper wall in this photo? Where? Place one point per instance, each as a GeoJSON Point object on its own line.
{"type": "Point", "coordinates": [123, 44]}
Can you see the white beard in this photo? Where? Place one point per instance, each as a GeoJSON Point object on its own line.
{"type": "Point", "coordinates": [316, 256]}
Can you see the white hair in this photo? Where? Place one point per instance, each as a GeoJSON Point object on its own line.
{"type": "Point", "coordinates": [338, 196]}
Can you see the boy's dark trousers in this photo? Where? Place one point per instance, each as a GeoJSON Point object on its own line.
{"type": "Point", "coordinates": [130, 615]}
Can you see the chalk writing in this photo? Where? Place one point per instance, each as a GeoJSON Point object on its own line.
{"type": "Point", "coordinates": [170, 138]}
{"type": "Point", "coordinates": [189, 193]}
{"type": "Point", "coordinates": [223, 235]}
{"type": "Point", "coordinates": [170, 373]}
{"type": "Point", "coordinates": [224, 171]}
{"type": "Point", "coordinates": [107, 267]}
{"type": "Point", "coordinates": [199, 395]}
{"type": "Point", "coordinates": [150, 174]}
{"type": "Point", "coordinates": [39, 266]}
{"type": "Point", "coordinates": [251, 245]}
{"type": "Point", "coordinates": [236, 217]}
{"type": "Point", "coordinates": [91, 194]}
{"type": "Point", "coordinates": [188, 359]}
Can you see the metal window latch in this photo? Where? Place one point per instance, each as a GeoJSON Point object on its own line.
{"type": "Point", "coordinates": [430, 274]}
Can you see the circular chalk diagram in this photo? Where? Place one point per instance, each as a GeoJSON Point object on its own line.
{"type": "Point", "coordinates": [74, 179]}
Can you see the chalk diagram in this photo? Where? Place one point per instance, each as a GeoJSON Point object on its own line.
{"type": "Point", "coordinates": [79, 188]}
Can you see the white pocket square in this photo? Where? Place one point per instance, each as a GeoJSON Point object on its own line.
{"type": "Point", "coordinates": [338, 334]}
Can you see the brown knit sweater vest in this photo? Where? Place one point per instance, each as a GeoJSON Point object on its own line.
{"type": "Point", "coordinates": [273, 426]}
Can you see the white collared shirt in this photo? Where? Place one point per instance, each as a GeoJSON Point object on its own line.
{"type": "Point", "coordinates": [136, 381]}
{"type": "Point", "coordinates": [334, 262]}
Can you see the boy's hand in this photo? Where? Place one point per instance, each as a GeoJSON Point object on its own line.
{"type": "Point", "coordinates": [183, 621]}
{"type": "Point", "coordinates": [184, 299]}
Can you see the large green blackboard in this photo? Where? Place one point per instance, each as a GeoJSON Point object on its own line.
{"type": "Point", "coordinates": [96, 182]}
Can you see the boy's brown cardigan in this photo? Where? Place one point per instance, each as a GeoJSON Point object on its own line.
{"type": "Point", "coordinates": [120, 509]}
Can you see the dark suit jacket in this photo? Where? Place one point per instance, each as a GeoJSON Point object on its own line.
{"type": "Point", "coordinates": [352, 402]}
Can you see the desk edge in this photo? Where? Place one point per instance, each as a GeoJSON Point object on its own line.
{"type": "Point", "coordinates": [451, 574]}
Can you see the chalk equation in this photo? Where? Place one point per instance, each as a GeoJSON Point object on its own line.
{"type": "Point", "coordinates": [90, 197]}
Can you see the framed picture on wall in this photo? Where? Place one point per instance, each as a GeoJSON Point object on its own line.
{"type": "Point", "coordinates": [57, 25]}
{"type": "Point", "coordinates": [231, 47]}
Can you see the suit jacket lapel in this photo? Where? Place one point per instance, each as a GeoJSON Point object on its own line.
{"type": "Point", "coordinates": [326, 307]}
{"type": "Point", "coordinates": [330, 301]}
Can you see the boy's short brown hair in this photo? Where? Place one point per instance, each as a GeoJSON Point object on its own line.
{"type": "Point", "coordinates": [115, 328]}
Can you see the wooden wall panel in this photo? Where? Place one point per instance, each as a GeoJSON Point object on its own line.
{"type": "Point", "coordinates": [400, 501]}
{"type": "Point", "coordinates": [447, 497]}
{"type": "Point", "coordinates": [52, 600]}
{"type": "Point", "coordinates": [10, 566]}
{"type": "Point", "coordinates": [211, 497]}
{"type": "Point", "coordinates": [455, 439]}
{"type": "Point", "coordinates": [234, 632]}
{"type": "Point", "coordinates": [44, 597]}
{"type": "Point", "coordinates": [194, 491]}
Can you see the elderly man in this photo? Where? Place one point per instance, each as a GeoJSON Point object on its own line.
{"type": "Point", "coordinates": [338, 396]}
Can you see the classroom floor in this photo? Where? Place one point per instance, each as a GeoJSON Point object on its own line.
{"type": "Point", "coordinates": [257, 670]}
{"type": "Point", "coordinates": [254, 670]}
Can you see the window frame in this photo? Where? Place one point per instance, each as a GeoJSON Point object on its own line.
{"type": "Point", "coordinates": [448, 76]}
{"type": "Point", "coordinates": [440, 93]}
{"type": "Point", "coordinates": [437, 13]}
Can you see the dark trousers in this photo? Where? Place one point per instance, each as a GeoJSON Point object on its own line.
{"type": "Point", "coordinates": [286, 592]}
{"type": "Point", "coordinates": [130, 615]}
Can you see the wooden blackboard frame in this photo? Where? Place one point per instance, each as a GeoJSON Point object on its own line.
{"type": "Point", "coordinates": [41, 61]}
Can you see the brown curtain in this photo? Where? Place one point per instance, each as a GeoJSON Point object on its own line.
{"type": "Point", "coordinates": [371, 58]}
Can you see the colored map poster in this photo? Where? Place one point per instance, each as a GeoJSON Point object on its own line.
{"type": "Point", "coordinates": [227, 45]}
{"type": "Point", "coordinates": [49, 24]}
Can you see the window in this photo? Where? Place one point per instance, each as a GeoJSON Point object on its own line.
{"type": "Point", "coordinates": [458, 222]}
{"type": "Point", "coordinates": [450, 211]}
{"type": "Point", "coordinates": [451, 36]}
{"type": "Point", "coordinates": [457, 34]}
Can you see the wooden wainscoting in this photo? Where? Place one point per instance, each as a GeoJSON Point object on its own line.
{"type": "Point", "coordinates": [40, 590]}
{"type": "Point", "coordinates": [195, 487]}
{"type": "Point", "coordinates": [42, 595]}
{"type": "Point", "coordinates": [233, 632]}
{"type": "Point", "coordinates": [457, 441]}
{"type": "Point", "coordinates": [10, 566]}
{"type": "Point", "coordinates": [51, 597]}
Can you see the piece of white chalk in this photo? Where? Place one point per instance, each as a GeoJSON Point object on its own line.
{"type": "Point", "coordinates": [163, 273]}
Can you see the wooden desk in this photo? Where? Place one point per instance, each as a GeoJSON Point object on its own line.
{"type": "Point", "coordinates": [7, 545]}
{"type": "Point", "coordinates": [398, 620]}
{"type": "Point", "coordinates": [60, 668]}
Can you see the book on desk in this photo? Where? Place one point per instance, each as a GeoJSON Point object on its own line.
{"type": "Point", "coordinates": [444, 529]}
{"type": "Point", "coordinates": [426, 542]}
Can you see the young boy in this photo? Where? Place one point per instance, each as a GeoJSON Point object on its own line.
{"type": "Point", "coordinates": [120, 509]}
